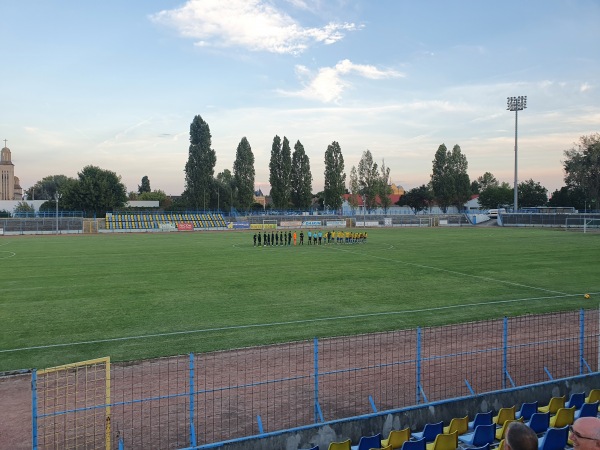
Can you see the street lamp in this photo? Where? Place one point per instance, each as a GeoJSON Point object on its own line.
{"type": "Point", "coordinates": [57, 197]}
{"type": "Point", "coordinates": [364, 199]}
{"type": "Point", "coordinates": [516, 104]}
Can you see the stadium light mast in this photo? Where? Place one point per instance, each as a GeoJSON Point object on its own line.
{"type": "Point", "coordinates": [57, 197]}
{"type": "Point", "coordinates": [516, 104]}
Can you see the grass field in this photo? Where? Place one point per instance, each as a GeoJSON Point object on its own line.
{"type": "Point", "coordinates": [71, 298]}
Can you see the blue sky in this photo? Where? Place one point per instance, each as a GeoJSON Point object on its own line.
{"type": "Point", "coordinates": [116, 84]}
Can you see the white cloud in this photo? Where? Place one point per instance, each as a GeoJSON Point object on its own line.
{"type": "Point", "coordinates": [253, 24]}
{"type": "Point", "coordinates": [585, 87]}
{"type": "Point", "coordinates": [328, 83]}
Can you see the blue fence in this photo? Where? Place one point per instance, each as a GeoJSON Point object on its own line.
{"type": "Point", "coordinates": [206, 398]}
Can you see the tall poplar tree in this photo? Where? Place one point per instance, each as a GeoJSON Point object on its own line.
{"type": "Point", "coordinates": [368, 179]}
{"type": "Point", "coordinates": [335, 177]}
{"type": "Point", "coordinates": [384, 187]}
{"type": "Point", "coordinates": [301, 178]}
{"type": "Point", "coordinates": [449, 180]}
{"type": "Point", "coordinates": [279, 172]}
{"type": "Point", "coordinates": [200, 166]}
{"type": "Point", "coordinates": [354, 188]}
{"type": "Point", "coordinates": [243, 174]}
{"type": "Point", "coordinates": [145, 186]}
{"type": "Point", "coordinates": [462, 183]}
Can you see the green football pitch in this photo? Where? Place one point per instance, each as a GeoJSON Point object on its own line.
{"type": "Point", "coordinates": [137, 296]}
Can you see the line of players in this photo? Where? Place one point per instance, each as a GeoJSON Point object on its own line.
{"type": "Point", "coordinates": [319, 237]}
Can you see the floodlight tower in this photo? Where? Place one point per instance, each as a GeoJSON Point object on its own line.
{"type": "Point", "coordinates": [516, 104]}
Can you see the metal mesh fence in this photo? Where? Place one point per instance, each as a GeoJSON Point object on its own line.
{"type": "Point", "coordinates": [177, 402]}
{"type": "Point", "coordinates": [45, 225]}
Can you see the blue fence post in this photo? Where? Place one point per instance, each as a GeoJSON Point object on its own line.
{"type": "Point", "coordinates": [316, 369]}
{"type": "Point", "coordinates": [192, 394]}
{"type": "Point", "coordinates": [581, 339]}
{"type": "Point", "coordinates": [418, 374]}
{"type": "Point", "coordinates": [504, 351]}
{"type": "Point", "coordinates": [34, 436]}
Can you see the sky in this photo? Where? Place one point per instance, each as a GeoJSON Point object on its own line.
{"type": "Point", "coordinates": [116, 84]}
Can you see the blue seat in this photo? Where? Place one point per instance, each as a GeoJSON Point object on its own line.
{"type": "Point", "coordinates": [483, 434]}
{"type": "Point", "coordinates": [539, 422]}
{"type": "Point", "coordinates": [554, 439]}
{"type": "Point", "coordinates": [481, 419]}
{"type": "Point", "coordinates": [577, 400]}
{"type": "Point", "coordinates": [368, 442]}
{"type": "Point", "coordinates": [414, 445]}
{"type": "Point", "coordinates": [430, 431]}
{"type": "Point", "coordinates": [527, 410]}
{"type": "Point", "coordinates": [587, 410]}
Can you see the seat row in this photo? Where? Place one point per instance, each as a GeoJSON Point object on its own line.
{"type": "Point", "coordinates": [153, 221]}
{"type": "Point", "coordinates": [550, 422]}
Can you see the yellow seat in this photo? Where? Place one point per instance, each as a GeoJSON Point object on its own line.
{"type": "Point", "coordinates": [563, 417]}
{"type": "Point", "coordinates": [444, 442]}
{"type": "Point", "coordinates": [389, 447]}
{"type": "Point", "coordinates": [505, 414]}
{"type": "Point", "coordinates": [460, 424]}
{"type": "Point", "coordinates": [396, 438]}
{"type": "Point", "coordinates": [555, 404]}
{"type": "Point", "coordinates": [500, 432]}
{"type": "Point", "coordinates": [340, 445]}
{"type": "Point", "coordinates": [593, 397]}
{"type": "Point", "coordinates": [501, 445]}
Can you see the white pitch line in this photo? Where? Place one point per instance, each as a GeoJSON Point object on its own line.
{"type": "Point", "coordinates": [454, 272]}
{"type": "Point", "coordinates": [293, 322]}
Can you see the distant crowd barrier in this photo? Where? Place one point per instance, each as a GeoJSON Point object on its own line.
{"type": "Point", "coordinates": [207, 398]}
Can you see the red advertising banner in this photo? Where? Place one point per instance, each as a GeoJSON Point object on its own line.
{"type": "Point", "coordinates": [185, 226]}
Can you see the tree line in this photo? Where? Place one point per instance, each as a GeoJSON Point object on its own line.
{"type": "Point", "coordinates": [96, 191]}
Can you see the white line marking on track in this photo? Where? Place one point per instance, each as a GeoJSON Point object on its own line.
{"type": "Point", "coordinates": [292, 322]}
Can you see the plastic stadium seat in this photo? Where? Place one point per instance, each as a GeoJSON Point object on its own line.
{"type": "Point", "coordinates": [483, 447]}
{"type": "Point", "coordinates": [396, 438]}
{"type": "Point", "coordinates": [553, 406]}
{"type": "Point", "coordinates": [505, 414]}
{"type": "Point", "coordinates": [340, 445]}
{"type": "Point", "coordinates": [588, 410]}
{"type": "Point", "coordinates": [460, 424]}
{"type": "Point", "coordinates": [481, 419]}
{"type": "Point", "coordinates": [527, 410]}
{"type": "Point", "coordinates": [368, 442]}
{"type": "Point", "coordinates": [414, 445]}
{"type": "Point", "coordinates": [387, 447]}
{"type": "Point", "coordinates": [539, 422]}
{"type": "Point", "coordinates": [593, 397]}
{"type": "Point", "coordinates": [577, 400]}
{"type": "Point", "coordinates": [483, 434]}
{"type": "Point", "coordinates": [563, 417]}
{"type": "Point", "coordinates": [554, 439]}
{"type": "Point", "coordinates": [430, 431]}
{"type": "Point", "coordinates": [444, 442]}
{"type": "Point", "coordinates": [500, 432]}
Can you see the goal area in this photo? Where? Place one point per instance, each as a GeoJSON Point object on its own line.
{"type": "Point", "coordinates": [583, 224]}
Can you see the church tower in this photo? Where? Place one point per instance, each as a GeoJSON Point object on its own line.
{"type": "Point", "coordinates": [7, 177]}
